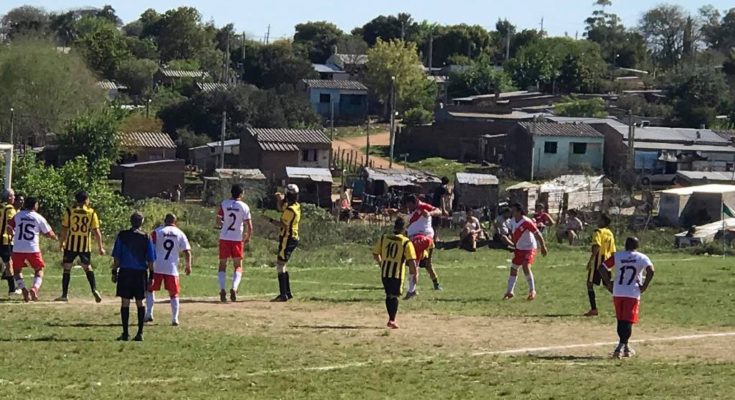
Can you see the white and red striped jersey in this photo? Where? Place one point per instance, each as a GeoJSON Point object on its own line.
{"type": "Point", "coordinates": [522, 233]}
{"type": "Point", "coordinates": [419, 224]}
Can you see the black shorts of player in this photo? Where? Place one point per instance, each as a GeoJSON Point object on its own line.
{"type": "Point", "coordinates": [594, 277]}
{"type": "Point", "coordinates": [84, 257]}
{"type": "Point", "coordinates": [426, 260]}
{"type": "Point", "coordinates": [131, 283]}
{"type": "Point", "coordinates": [393, 287]}
{"type": "Point", "coordinates": [5, 252]}
{"type": "Point", "coordinates": [286, 247]}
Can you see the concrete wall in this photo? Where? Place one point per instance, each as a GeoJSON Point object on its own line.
{"type": "Point", "coordinates": [449, 139]}
{"type": "Point", "coordinates": [519, 152]}
{"type": "Point", "coordinates": [150, 180]}
{"type": "Point", "coordinates": [550, 164]}
{"type": "Point", "coordinates": [343, 108]}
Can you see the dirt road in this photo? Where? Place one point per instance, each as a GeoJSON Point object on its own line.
{"type": "Point", "coordinates": [358, 144]}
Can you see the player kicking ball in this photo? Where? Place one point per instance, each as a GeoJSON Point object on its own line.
{"type": "Point", "coordinates": [421, 234]}
{"type": "Point", "coordinates": [526, 238]}
{"type": "Point", "coordinates": [27, 226]}
{"type": "Point", "coordinates": [232, 218]}
{"type": "Point", "coordinates": [169, 242]}
{"type": "Point", "coordinates": [626, 289]}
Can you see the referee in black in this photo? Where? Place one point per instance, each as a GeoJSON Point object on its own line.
{"type": "Point", "coordinates": [133, 257]}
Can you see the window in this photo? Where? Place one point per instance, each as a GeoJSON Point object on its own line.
{"type": "Point", "coordinates": [325, 98]}
{"type": "Point", "coordinates": [309, 155]}
{"type": "Point", "coordinates": [579, 148]}
{"type": "Point", "coordinates": [355, 100]}
{"type": "Point", "coordinates": [550, 147]}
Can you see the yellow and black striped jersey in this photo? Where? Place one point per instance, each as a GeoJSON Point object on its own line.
{"type": "Point", "coordinates": [8, 214]}
{"type": "Point", "coordinates": [394, 251]}
{"type": "Point", "coordinates": [604, 238]}
{"type": "Point", "coordinates": [290, 219]}
{"type": "Point", "coordinates": [79, 222]}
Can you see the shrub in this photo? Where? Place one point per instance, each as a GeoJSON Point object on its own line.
{"type": "Point", "coordinates": [417, 116]}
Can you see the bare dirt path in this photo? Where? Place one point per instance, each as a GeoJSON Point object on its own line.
{"type": "Point", "coordinates": [358, 143]}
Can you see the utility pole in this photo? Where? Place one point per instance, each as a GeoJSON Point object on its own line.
{"type": "Point", "coordinates": [431, 53]}
{"type": "Point", "coordinates": [225, 80]}
{"type": "Point", "coordinates": [403, 31]}
{"type": "Point", "coordinates": [367, 143]}
{"type": "Point", "coordinates": [331, 119]}
{"type": "Point", "coordinates": [631, 141]}
{"type": "Point", "coordinates": [507, 44]}
{"type": "Point", "coordinates": [392, 119]}
{"type": "Point", "coordinates": [542, 26]}
{"type": "Point", "coordinates": [12, 126]}
{"type": "Point", "coordinates": [268, 35]}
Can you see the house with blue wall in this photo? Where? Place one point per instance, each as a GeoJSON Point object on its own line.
{"type": "Point", "coordinates": [545, 149]}
{"type": "Point", "coordinates": [348, 99]}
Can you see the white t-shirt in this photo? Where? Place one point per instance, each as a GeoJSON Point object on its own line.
{"type": "Point", "coordinates": [522, 232]}
{"type": "Point", "coordinates": [169, 242]}
{"type": "Point", "coordinates": [28, 226]}
{"type": "Point", "coordinates": [418, 224]}
{"type": "Point", "coordinates": [234, 213]}
{"type": "Point", "coordinates": [628, 277]}
{"type": "Point", "coordinates": [502, 225]}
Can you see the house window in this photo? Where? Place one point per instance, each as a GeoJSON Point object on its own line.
{"type": "Point", "coordinates": [579, 148]}
{"type": "Point", "coordinates": [325, 98]}
{"type": "Point", "coordinates": [550, 147]}
{"type": "Point", "coordinates": [355, 100]}
{"type": "Point", "coordinates": [309, 155]}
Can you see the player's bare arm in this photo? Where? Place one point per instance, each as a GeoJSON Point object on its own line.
{"type": "Point", "coordinates": [378, 259]}
{"type": "Point", "coordinates": [434, 213]}
{"type": "Point", "coordinates": [64, 236]}
{"type": "Point", "coordinates": [541, 242]}
{"type": "Point", "coordinates": [647, 280]}
{"type": "Point", "coordinates": [280, 203]}
{"type": "Point", "coordinates": [593, 256]}
{"type": "Point", "coordinates": [51, 235]}
{"type": "Point", "coordinates": [606, 278]}
{"type": "Point", "coordinates": [187, 257]}
{"type": "Point", "coordinates": [248, 231]}
{"type": "Point", "coordinates": [98, 238]}
{"type": "Point", "coordinates": [115, 268]}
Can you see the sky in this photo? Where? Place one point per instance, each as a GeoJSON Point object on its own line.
{"type": "Point", "coordinates": [560, 17]}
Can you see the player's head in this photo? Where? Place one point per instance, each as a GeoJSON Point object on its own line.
{"type": "Point", "coordinates": [292, 193]}
{"type": "Point", "coordinates": [632, 243]}
{"type": "Point", "coordinates": [516, 210]}
{"type": "Point", "coordinates": [82, 198]}
{"type": "Point", "coordinates": [505, 212]}
{"type": "Point", "coordinates": [19, 201]}
{"type": "Point", "coordinates": [540, 207]}
{"type": "Point", "coordinates": [411, 201]}
{"type": "Point", "coordinates": [136, 220]}
{"type": "Point", "coordinates": [604, 221]}
{"type": "Point", "coordinates": [8, 196]}
{"type": "Point", "coordinates": [399, 227]}
{"type": "Point", "coordinates": [170, 219]}
{"type": "Point", "coordinates": [236, 191]}
{"type": "Point", "coordinates": [30, 204]}
{"type": "Point", "coordinates": [445, 180]}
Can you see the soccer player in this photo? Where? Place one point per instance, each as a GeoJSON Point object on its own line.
{"type": "Point", "coordinates": [27, 226]}
{"type": "Point", "coordinates": [526, 238]}
{"type": "Point", "coordinates": [169, 241]}
{"type": "Point", "coordinates": [392, 253]}
{"type": "Point", "coordinates": [78, 225]}
{"type": "Point", "coordinates": [288, 238]}
{"type": "Point", "coordinates": [232, 215]}
{"type": "Point", "coordinates": [133, 256]}
{"type": "Point", "coordinates": [6, 241]}
{"type": "Point", "coordinates": [627, 288]}
{"type": "Point", "coordinates": [421, 234]}
{"type": "Point", "coordinates": [603, 247]}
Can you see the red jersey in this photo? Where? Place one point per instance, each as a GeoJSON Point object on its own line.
{"type": "Point", "coordinates": [419, 224]}
{"type": "Point", "coordinates": [523, 233]}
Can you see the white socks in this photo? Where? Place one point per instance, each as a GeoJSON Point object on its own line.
{"type": "Point", "coordinates": [149, 300]}
{"type": "Point", "coordinates": [236, 278]}
{"type": "Point", "coordinates": [531, 282]}
{"type": "Point", "coordinates": [411, 284]}
{"type": "Point", "coordinates": [175, 309]}
{"type": "Point", "coordinates": [37, 281]}
{"type": "Point", "coordinates": [221, 277]}
{"type": "Point", "coordinates": [511, 283]}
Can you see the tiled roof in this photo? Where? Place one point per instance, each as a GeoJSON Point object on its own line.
{"type": "Point", "coordinates": [173, 73]}
{"type": "Point", "coordinates": [109, 85]}
{"type": "Point", "coordinates": [552, 129]}
{"type": "Point", "coordinates": [289, 135]}
{"type": "Point", "coordinates": [147, 139]}
{"type": "Point", "coordinates": [336, 84]}
{"type": "Point", "coordinates": [275, 146]}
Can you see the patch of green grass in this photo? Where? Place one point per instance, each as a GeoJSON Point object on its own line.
{"type": "Point", "coordinates": [441, 166]}
{"type": "Point", "coordinates": [356, 131]}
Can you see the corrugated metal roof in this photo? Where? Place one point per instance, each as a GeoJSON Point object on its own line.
{"type": "Point", "coordinates": [672, 135]}
{"type": "Point", "coordinates": [523, 186]}
{"type": "Point", "coordinates": [231, 142]}
{"type": "Point", "coordinates": [335, 84]}
{"type": "Point", "coordinates": [552, 129]}
{"type": "Point", "coordinates": [314, 174]}
{"type": "Point", "coordinates": [476, 179]}
{"type": "Point", "coordinates": [174, 73]}
{"type": "Point", "coordinates": [110, 85]}
{"type": "Point", "coordinates": [275, 146]}
{"type": "Point", "coordinates": [290, 135]}
{"type": "Point", "coordinates": [138, 164]}
{"type": "Point", "coordinates": [147, 139]}
{"type": "Point", "coordinates": [583, 120]}
{"type": "Point", "coordinates": [226, 173]}
{"type": "Point", "coordinates": [574, 183]}
{"type": "Point", "coordinates": [714, 188]}
{"type": "Point", "coordinates": [683, 147]}
{"type": "Point", "coordinates": [515, 115]}
{"type": "Point", "coordinates": [327, 68]}
{"type": "Point", "coordinates": [357, 59]}
{"type": "Point", "coordinates": [709, 175]}
{"type": "Point", "coordinates": [208, 86]}
{"type": "Point", "coordinates": [401, 178]}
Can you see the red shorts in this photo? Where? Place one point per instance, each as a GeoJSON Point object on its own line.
{"type": "Point", "coordinates": [626, 309]}
{"type": "Point", "coordinates": [230, 249]}
{"type": "Point", "coordinates": [421, 243]}
{"type": "Point", "coordinates": [523, 257]}
{"type": "Point", "coordinates": [35, 260]}
{"type": "Point", "coordinates": [170, 282]}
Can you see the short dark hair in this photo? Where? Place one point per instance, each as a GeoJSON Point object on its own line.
{"type": "Point", "coordinates": [632, 243]}
{"type": "Point", "coordinates": [411, 198]}
{"type": "Point", "coordinates": [30, 203]}
{"type": "Point", "coordinates": [136, 220]}
{"type": "Point", "coordinates": [605, 220]}
{"type": "Point", "coordinates": [400, 225]}
{"type": "Point", "coordinates": [81, 197]}
{"type": "Point", "coordinates": [572, 212]}
{"type": "Point", "coordinates": [169, 219]}
{"type": "Point", "coordinates": [445, 180]}
{"type": "Point", "coordinates": [292, 197]}
{"type": "Point", "coordinates": [236, 191]}
{"type": "Point", "coordinates": [518, 207]}
{"type": "Point", "coordinates": [504, 210]}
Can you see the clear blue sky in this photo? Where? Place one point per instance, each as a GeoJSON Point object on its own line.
{"type": "Point", "coordinates": [254, 16]}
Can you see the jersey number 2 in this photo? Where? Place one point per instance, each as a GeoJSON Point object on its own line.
{"type": "Point", "coordinates": [234, 219]}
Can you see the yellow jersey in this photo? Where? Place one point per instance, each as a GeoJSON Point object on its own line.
{"type": "Point", "coordinates": [604, 238]}
{"type": "Point", "coordinates": [8, 214]}
{"type": "Point", "coordinates": [79, 222]}
{"type": "Point", "coordinates": [290, 218]}
{"type": "Point", "coordinates": [394, 251]}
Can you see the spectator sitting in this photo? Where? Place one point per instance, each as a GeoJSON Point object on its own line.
{"type": "Point", "coordinates": [470, 232]}
{"type": "Point", "coordinates": [542, 219]}
{"type": "Point", "coordinates": [571, 229]}
{"type": "Point", "coordinates": [501, 229]}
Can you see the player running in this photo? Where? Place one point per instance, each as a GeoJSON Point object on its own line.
{"type": "Point", "coordinates": [6, 241]}
{"type": "Point", "coordinates": [78, 225]}
{"type": "Point", "coordinates": [169, 241]}
{"type": "Point", "coordinates": [288, 238]}
{"type": "Point", "coordinates": [26, 226]}
{"type": "Point", "coordinates": [526, 238]}
{"type": "Point", "coordinates": [392, 253]}
{"type": "Point", "coordinates": [232, 215]}
{"type": "Point", "coordinates": [421, 234]}
{"type": "Point", "coordinates": [603, 247]}
{"type": "Point", "coordinates": [627, 288]}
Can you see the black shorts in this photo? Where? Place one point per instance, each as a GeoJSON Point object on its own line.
{"type": "Point", "coordinates": [286, 247]}
{"type": "Point", "coordinates": [84, 257]}
{"type": "Point", "coordinates": [393, 287]}
{"type": "Point", "coordinates": [5, 252]}
{"type": "Point", "coordinates": [426, 260]}
{"type": "Point", "coordinates": [594, 277]}
{"type": "Point", "coordinates": [131, 283]}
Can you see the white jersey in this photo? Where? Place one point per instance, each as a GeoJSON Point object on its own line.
{"type": "Point", "coordinates": [628, 277]}
{"type": "Point", "coordinates": [28, 226]}
{"type": "Point", "coordinates": [419, 224]}
{"type": "Point", "coordinates": [522, 233]}
{"type": "Point", "coordinates": [169, 241]}
{"type": "Point", "coordinates": [234, 214]}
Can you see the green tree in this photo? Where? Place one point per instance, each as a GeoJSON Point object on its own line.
{"type": "Point", "coordinates": [663, 28]}
{"type": "Point", "coordinates": [581, 108]}
{"type": "Point", "coordinates": [94, 135]}
{"type": "Point", "coordinates": [180, 34]}
{"type": "Point", "coordinates": [387, 28]}
{"type": "Point", "coordinates": [102, 45]}
{"type": "Point", "coordinates": [137, 75]}
{"type": "Point", "coordinates": [467, 40]}
{"type": "Point", "coordinates": [699, 94]}
{"type": "Point", "coordinates": [25, 21]}
{"type": "Point", "coordinates": [268, 66]}
{"type": "Point", "coordinates": [317, 39]}
{"type": "Point", "coordinates": [480, 77]}
{"type": "Point", "coordinates": [581, 69]}
{"type": "Point", "coordinates": [142, 48]}
{"type": "Point", "coordinates": [618, 46]}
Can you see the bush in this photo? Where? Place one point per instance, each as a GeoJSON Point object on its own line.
{"type": "Point", "coordinates": [417, 116]}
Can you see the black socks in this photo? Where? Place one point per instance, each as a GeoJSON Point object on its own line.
{"type": "Point", "coordinates": [125, 317]}
{"type": "Point", "coordinates": [65, 280]}
{"type": "Point", "coordinates": [91, 279]}
{"type": "Point", "coordinates": [593, 301]}
{"type": "Point", "coordinates": [141, 320]}
{"type": "Point", "coordinates": [391, 304]}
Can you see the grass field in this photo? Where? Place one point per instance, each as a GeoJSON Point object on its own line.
{"type": "Point", "coordinates": [330, 342]}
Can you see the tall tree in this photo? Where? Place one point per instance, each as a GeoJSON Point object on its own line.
{"type": "Point", "coordinates": [386, 28]}
{"type": "Point", "coordinates": [465, 40]}
{"type": "Point", "coordinates": [480, 77]}
{"type": "Point", "coordinates": [180, 34]}
{"type": "Point", "coordinates": [699, 94]}
{"type": "Point", "coordinates": [317, 39]}
{"type": "Point", "coordinates": [102, 45]}
{"type": "Point", "coordinates": [268, 66]}
{"type": "Point", "coordinates": [25, 21]}
{"type": "Point", "coordinates": [663, 28]}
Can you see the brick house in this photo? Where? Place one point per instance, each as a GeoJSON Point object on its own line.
{"type": "Point", "coordinates": [272, 150]}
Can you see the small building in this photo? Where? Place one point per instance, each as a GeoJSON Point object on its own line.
{"type": "Point", "coordinates": [208, 157]}
{"type": "Point", "coordinates": [146, 179]}
{"type": "Point", "coordinates": [146, 146]}
{"type": "Point", "coordinates": [542, 149]}
{"type": "Point", "coordinates": [352, 64]}
{"type": "Point", "coordinates": [169, 77]}
{"type": "Point", "coordinates": [111, 89]}
{"type": "Point", "coordinates": [347, 99]}
{"type": "Point", "coordinates": [272, 150]}
{"type": "Point", "coordinates": [566, 192]}
{"type": "Point", "coordinates": [694, 205]}
{"type": "Point", "coordinates": [407, 181]}
{"type": "Point", "coordinates": [217, 187]}
{"type": "Point", "coordinates": [330, 72]}
{"type": "Point", "coordinates": [524, 193]}
{"type": "Point", "coordinates": [315, 184]}
{"type": "Point", "coordinates": [697, 178]}
{"type": "Point", "coordinates": [476, 190]}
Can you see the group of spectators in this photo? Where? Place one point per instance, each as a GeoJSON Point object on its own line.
{"type": "Point", "coordinates": [568, 231]}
